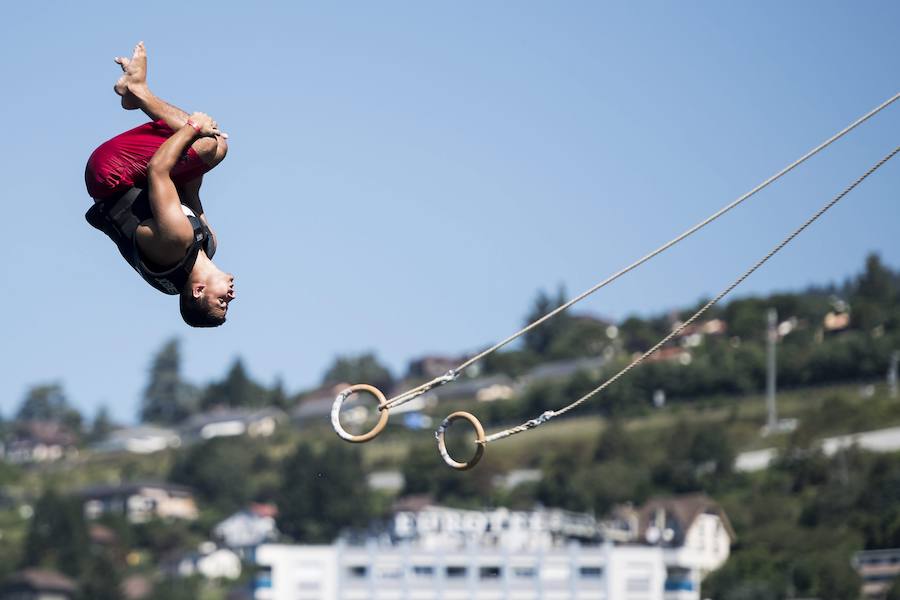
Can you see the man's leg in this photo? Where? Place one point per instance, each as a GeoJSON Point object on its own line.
{"type": "Point", "coordinates": [132, 86]}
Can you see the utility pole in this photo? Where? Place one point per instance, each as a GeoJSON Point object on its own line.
{"type": "Point", "coordinates": [772, 421]}
{"type": "Point", "coordinates": [892, 374]}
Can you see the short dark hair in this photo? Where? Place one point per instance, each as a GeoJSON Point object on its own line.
{"type": "Point", "coordinates": [195, 311]}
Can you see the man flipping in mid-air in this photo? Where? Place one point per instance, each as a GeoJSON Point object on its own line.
{"type": "Point", "coordinates": [145, 184]}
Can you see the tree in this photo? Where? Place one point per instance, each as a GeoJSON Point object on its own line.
{"type": "Point", "coordinates": [424, 472]}
{"type": "Point", "coordinates": [219, 470]}
{"type": "Point", "coordinates": [48, 402]}
{"type": "Point", "coordinates": [581, 336]}
{"type": "Point", "coordinates": [278, 396]}
{"type": "Point", "coordinates": [364, 368]}
{"type": "Point", "coordinates": [167, 397]}
{"type": "Point", "coordinates": [614, 443]}
{"type": "Point", "coordinates": [102, 424]}
{"type": "Point", "coordinates": [419, 470]}
{"type": "Point", "coordinates": [875, 294]}
{"type": "Point", "coordinates": [836, 579]}
{"type": "Point", "coordinates": [178, 588]}
{"type": "Point", "coordinates": [747, 318]}
{"type": "Point", "coordinates": [710, 447]}
{"type": "Point", "coordinates": [638, 334]}
{"type": "Point", "coordinates": [561, 485]}
{"type": "Point", "coordinates": [877, 283]}
{"type": "Point", "coordinates": [236, 390]}
{"type": "Point", "coordinates": [102, 578]}
{"type": "Point", "coordinates": [893, 592]}
{"type": "Point", "coordinates": [514, 363]}
{"type": "Point", "coordinates": [540, 339]}
{"type": "Point", "coordinates": [57, 535]}
{"type": "Point", "coordinates": [322, 493]}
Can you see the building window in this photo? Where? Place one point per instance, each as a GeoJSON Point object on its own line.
{"type": "Point", "coordinates": [590, 572]}
{"type": "Point", "coordinates": [357, 571]}
{"type": "Point", "coordinates": [423, 571]}
{"type": "Point", "coordinates": [524, 572]}
{"type": "Point", "coordinates": [262, 579]}
{"type": "Point", "coordinates": [456, 572]}
{"type": "Point", "coordinates": [678, 579]}
{"type": "Point", "coordinates": [881, 578]}
{"type": "Point", "coordinates": [489, 573]}
{"type": "Point", "coordinates": [390, 573]}
{"type": "Point", "coordinates": [637, 584]}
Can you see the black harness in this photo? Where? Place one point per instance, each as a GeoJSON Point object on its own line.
{"type": "Point", "coordinates": [119, 219]}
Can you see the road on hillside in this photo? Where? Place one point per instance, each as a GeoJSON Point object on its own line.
{"type": "Point", "coordinates": [880, 440]}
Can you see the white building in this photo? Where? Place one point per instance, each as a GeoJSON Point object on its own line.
{"type": "Point", "coordinates": [248, 528]}
{"type": "Point", "coordinates": [693, 531]}
{"type": "Point", "coordinates": [233, 422]}
{"type": "Point", "coordinates": [446, 554]}
{"type": "Point", "coordinates": [878, 570]}
{"type": "Point", "coordinates": [143, 439]}
{"type": "Point", "coordinates": [39, 442]}
{"type": "Point", "coordinates": [208, 562]}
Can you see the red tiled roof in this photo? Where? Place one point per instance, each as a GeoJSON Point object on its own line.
{"type": "Point", "coordinates": [261, 509]}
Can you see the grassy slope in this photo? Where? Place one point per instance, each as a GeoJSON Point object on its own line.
{"type": "Point", "coordinates": [822, 412]}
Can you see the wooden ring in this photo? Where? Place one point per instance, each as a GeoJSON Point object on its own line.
{"type": "Point", "coordinates": [479, 440]}
{"type": "Point", "coordinates": [339, 402]}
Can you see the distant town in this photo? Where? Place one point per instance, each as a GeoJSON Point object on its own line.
{"type": "Point", "coordinates": [770, 429]}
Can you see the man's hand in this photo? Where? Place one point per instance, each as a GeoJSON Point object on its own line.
{"type": "Point", "coordinates": [204, 125]}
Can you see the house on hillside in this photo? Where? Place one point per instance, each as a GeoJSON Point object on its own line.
{"type": "Point", "coordinates": [40, 441]}
{"type": "Point", "coordinates": [233, 422]}
{"type": "Point", "coordinates": [248, 528]}
{"type": "Point", "coordinates": [143, 439]}
{"type": "Point", "coordinates": [836, 321]}
{"type": "Point", "coordinates": [140, 502]}
{"type": "Point", "coordinates": [694, 334]}
{"type": "Point", "coordinates": [315, 405]}
{"type": "Point", "coordinates": [692, 528]}
{"type": "Point", "coordinates": [429, 367]}
{"type": "Point", "coordinates": [484, 389]}
{"type": "Point", "coordinates": [208, 561]}
{"type": "Point", "coordinates": [675, 354]}
{"type": "Point", "coordinates": [38, 584]}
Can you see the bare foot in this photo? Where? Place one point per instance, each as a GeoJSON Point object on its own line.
{"type": "Point", "coordinates": [134, 77]}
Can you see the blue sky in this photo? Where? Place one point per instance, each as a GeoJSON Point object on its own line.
{"type": "Point", "coordinates": [403, 177]}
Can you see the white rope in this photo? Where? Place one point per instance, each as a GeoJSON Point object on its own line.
{"type": "Point", "coordinates": [408, 395]}
{"type": "Point", "coordinates": [550, 414]}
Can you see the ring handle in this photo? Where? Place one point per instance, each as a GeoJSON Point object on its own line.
{"type": "Point", "coordinates": [336, 413]}
{"type": "Point", "coordinates": [479, 440]}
